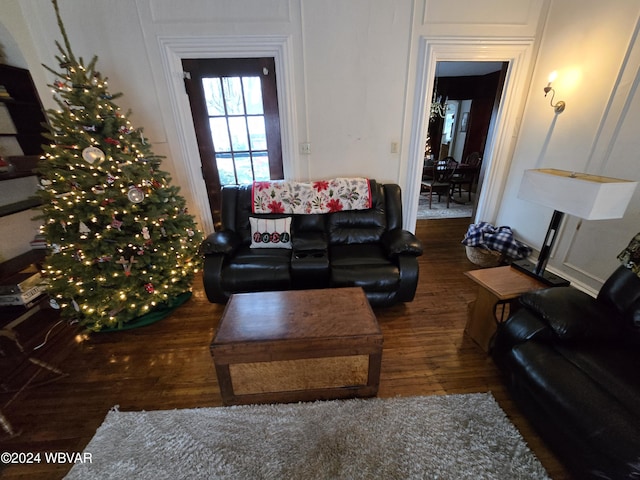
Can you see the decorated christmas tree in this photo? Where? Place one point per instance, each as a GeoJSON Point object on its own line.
{"type": "Point", "coordinates": [123, 248]}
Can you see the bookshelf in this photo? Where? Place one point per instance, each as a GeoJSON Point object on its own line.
{"type": "Point", "coordinates": [22, 124]}
{"type": "Point", "coordinates": [13, 314]}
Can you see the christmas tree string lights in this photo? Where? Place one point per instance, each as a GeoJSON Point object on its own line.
{"type": "Point", "coordinates": [122, 243]}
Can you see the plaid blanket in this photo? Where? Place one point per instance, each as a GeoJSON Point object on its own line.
{"type": "Point", "coordinates": [500, 239]}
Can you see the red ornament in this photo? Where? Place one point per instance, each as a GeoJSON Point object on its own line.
{"type": "Point", "coordinates": [112, 141]}
{"type": "Point", "coordinates": [149, 288]}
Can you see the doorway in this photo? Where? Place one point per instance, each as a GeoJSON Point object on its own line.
{"type": "Point", "coordinates": [234, 105]}
{"type": "Point", "coordinates": [518, 53]}
{"type": "Point", "coordinates": [464, 102]}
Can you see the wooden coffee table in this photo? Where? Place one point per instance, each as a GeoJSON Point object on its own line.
{"type": "Point", "coordinates": [299, 345]}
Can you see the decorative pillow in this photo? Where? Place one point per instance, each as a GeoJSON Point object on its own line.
{"type": "Point", "coordinates": [270, 232]}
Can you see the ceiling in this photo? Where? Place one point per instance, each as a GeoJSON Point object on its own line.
{"type": "Point", "coordinates": [465, 69]}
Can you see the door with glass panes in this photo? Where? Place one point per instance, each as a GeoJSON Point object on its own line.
{"type": "Point", "coordinates": [234, 105]}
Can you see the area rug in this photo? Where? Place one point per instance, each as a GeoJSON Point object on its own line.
{"type": "Point", "coordinates": [440, 210]}
{"type": "Point", "coordinates": [436, 437]}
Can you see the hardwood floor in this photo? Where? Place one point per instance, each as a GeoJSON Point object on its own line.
{"type": "Point", "coordinates": [168, 365]}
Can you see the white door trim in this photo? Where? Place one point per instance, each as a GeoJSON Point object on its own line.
{"type": "Point", "coordinates": [499, 149]}
{"type": "Point", "coordinates": [174, 48]}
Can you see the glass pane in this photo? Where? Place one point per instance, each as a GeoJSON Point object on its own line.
{"type": "Point", "coordinates": [257, 134]}
{"type": "Point", "coordinates": [253, 95]}
{"type": "Point", "coordinates": [238, 129]}
{"type": "Point", "coordinates": [233, 95]}
{"type": "Point", "coordinates": [225, 169]}
{"type": "Point", "coordinates": [213, 96]}
{"type": "Point", "coordinates": [243, 167]}
{"type": "Point", "coordinates": [220, 134]}
{"type": "Point", "coordinates": [261, 166]}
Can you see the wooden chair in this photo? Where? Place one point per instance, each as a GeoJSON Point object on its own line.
{"type": "Point", "coordinates": [439, 182]}
{"type": "Point", "coordinates": [466, 174]}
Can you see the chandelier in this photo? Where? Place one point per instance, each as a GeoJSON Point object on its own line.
{"type": "Point", "coordinates": [438, 107]}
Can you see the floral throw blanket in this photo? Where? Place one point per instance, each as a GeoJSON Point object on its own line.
{"type": "Point", "coordinates": [317, 197]}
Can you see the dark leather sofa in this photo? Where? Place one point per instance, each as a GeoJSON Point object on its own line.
{"type": "Point", "coordinates": [366, 248]}
{"type": "Point", "coordinates": [572, 363]}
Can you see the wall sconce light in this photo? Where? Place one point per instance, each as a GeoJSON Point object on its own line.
{"type": "Point", "coordinates": [559, 105]}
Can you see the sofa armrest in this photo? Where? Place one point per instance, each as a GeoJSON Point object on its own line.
{"type": "Point", "coordinates": [224, 242]}
{"type": "Point", "coordinates": [572, 314]}
{"type": "Point", "coordinates": [401, 242]}
{"type": "Point", "coordinates": [522, 326]}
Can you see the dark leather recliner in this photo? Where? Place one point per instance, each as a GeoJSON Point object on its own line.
{"type": "Point", "coordinates": [363, 248]}
{"type": "Point", "coordinates": [572, 363]}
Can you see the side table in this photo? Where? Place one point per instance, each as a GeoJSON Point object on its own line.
{"type": "Point", "coordinates": [497, 287]}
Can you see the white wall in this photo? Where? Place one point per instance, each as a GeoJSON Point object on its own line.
{"type": "Point", "coordinates": [352, 85]}
{"type": "Point", "coordinates": [356, 58]}
{"type": "Point", "coordinates": [352, 66]}
{"type": "Point", "coordinates": [590, 45]}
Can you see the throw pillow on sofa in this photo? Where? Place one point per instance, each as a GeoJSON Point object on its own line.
{"type": "Point", "coordinates": [270, 232]}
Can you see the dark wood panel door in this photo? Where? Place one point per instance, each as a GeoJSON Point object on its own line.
{"type": "Point", "coordinates": [234, 104]}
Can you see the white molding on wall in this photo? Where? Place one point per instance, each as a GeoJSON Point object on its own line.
{"type": "Point", "coordinates": [174, 48]}
{"type": "Point", "coordinates": [617, 109]}
{"type": "Point", "coordinates": [499, 149]}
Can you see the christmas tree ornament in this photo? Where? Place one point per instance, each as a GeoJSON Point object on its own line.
{"type": "Point", "coordinates": [123, 262]}
{"type": "Point", "coordinates": [135, 195]}
{"type": "Point", "coordinates": [98, 190]}
{"type": "Point", "coordinates": [93, 155]}
{"type": "Point", "coordinates": [149, 287]}
{"type": "Point", "coordinates": [83, 228]}
{"type": "Point", "coordinates": [75, 107]}
{"type": "Point", "coordinates": [115, 223]}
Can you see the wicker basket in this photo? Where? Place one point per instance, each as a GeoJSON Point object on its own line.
{"type": "Point", "coordinates": [483, 257]}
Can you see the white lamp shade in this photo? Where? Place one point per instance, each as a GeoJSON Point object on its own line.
{"type": "Point", "coordinates": [591, 197]}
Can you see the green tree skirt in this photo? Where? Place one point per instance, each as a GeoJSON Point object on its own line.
{"type": "Point", "coordinates": [152, 317]}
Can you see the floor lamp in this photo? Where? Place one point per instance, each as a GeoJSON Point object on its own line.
{"type": "Point", "coordinates": [590, 197]}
